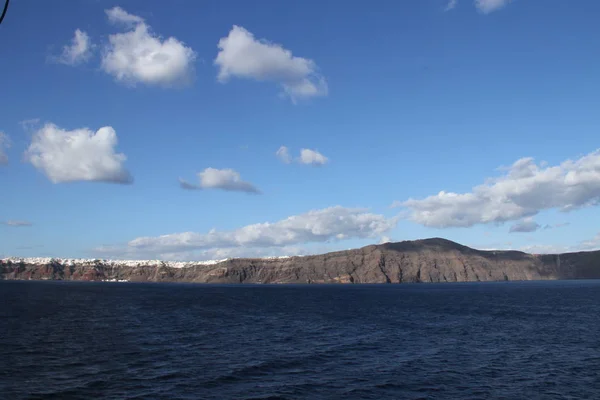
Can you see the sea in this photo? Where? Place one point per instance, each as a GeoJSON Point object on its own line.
{"type": "Point", "coordinates": [504, 340]}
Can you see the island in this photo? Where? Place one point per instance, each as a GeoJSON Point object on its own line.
{"type": "Point", "coordinates": [418, 261]}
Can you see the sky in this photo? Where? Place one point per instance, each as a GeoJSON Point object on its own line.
{"type": "Point", "coordinates": [192, 130]}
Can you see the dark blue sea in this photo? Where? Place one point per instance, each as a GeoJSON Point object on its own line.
{"type": "Point", "coordinates": [525, 340]}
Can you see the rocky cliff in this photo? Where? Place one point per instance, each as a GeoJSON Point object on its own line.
{"type": "Point", "coordinates": [429, 260]}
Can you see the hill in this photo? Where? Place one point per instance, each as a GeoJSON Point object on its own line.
{"type": "Point", "coordinates": [428, 260]}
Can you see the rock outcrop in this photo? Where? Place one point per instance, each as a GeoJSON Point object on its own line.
{"type": "Point", "coordinates": [429, 260]}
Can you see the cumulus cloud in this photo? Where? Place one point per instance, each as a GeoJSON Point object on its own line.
{"type": "Point", "coordinates": [117, 15]}
{"type": "Point", "coordinates": [78, 51]}
{"type": "Point", "coordinates": [312, 157]}
{"type": "Point", "coordinates": [524, 190]}
{"type": "Point", "coordinates": [223, 179]}
{"type": "Point", "coordinates": [525, 225]}
{"type": "Point", "coordinates": [15, 223]}
{"type": "Point", "coordinates": [488, 6]}
{"type": "Point", "coordinates": [329, 224]}
{"type": "Point", "coordinates": [4, 144]}
{"type": "Point", "coordinates": [283, 154]}
{"type": "Point", "coordinates": [242, 56]}
{"type": "Point", "coordinates": [77, 155]}
{"type": "Point", "coordinates": [140, 56]}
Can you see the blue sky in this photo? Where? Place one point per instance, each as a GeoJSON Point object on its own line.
{"type": "Point", "coordinates": [149, 129]}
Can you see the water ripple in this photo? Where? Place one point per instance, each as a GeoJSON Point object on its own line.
{"type": "Point", "coordinates": [536, 340]}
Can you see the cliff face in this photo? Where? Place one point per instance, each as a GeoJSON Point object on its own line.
{"type": "Point", "coordinates": [430, 260]}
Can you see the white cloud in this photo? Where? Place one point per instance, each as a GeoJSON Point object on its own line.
{"type": "Point", "coordinates": [284, 155]}
{"type": "Point", "coordinates": [4, 144]}
{"type": "Point", "coordinates": [525, 225]}
{"type": "Point", "coordinates": [79, 51]}
{"type": "Point", "coordinates": [15, 223]}
{"type": "Point", "coordinates": [312, 157]}
{"type": "Point", "coordinates": [545, 249]}
{"type": "Point", "coordinates": [118, 15]}
{"type": "Point", "coordinates": [488, 6]}
{"type": "Point", "coordinates": [77, 155]}
{"type": "Point", "coordinates": [522, 192]}
{"type": "Point", "coordinates": [483, 6]}
{"type": "Point", "coordinates": [492, 246]}
{"type": "Point", "coordinates": [224, 179]}
{"type": "Point", "coordinates": [253, 252]}
{"type": "Point", "coordinates": [139, 56]}
{"type": "Point", "coordinates": [307, 156]}
{"type": "Point", "coordinates": [242, 56]}
{"type": "Point", "coordinates": [586, 245]}
{"type": "Point", "coordinates": [201, 255]}
{"type": "Point", "coordinates": [329, 224]}
{"type": "Point", "coordinates": [451, 4]}
{"type": "Point", "coordinates": [235, 252]}
{"type": "Point", "coordinates": [592, 244]}
{"type": "Point", "coordinates": [385, 239]}
{"type": "Point", "coordinates": [29, 124]}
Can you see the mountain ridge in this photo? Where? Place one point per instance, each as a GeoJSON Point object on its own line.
{"type": "Point", "coordinates": [425, 260]}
